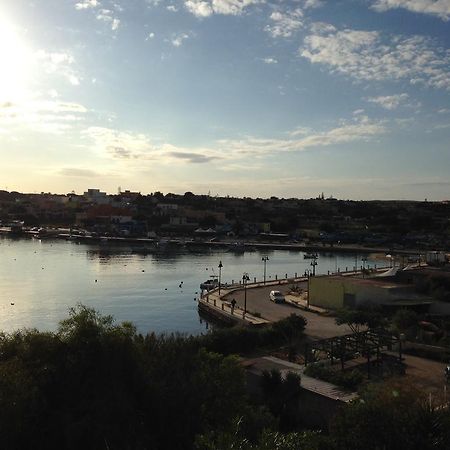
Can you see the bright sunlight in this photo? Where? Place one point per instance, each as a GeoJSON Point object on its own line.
{"type": "Point", "coordinates": [15, 62]}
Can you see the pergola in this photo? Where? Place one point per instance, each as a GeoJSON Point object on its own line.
{"type": "Point", "coordinates": [369, 344]}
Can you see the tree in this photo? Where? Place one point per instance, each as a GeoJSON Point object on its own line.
{"type": "Point", "coordinates": [282, 397]}
{"type": "Point", "coordinates": [359, 319]}
{"type": "Point", "coordinates": [291, 328]}
{"type": "Point", "coordinates": [391, 416]}
{"type": "Point", "coordinates": [405, 320]}
{"type": "Point", "coordinates": [97, 384]}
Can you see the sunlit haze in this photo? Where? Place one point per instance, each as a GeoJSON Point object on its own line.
{"type": "Point", "coordinates": [232, 97]}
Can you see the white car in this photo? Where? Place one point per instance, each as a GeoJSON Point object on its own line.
{"type": "Point", "coordinates": [276, 296]}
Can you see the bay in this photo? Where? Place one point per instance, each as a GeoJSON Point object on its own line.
{"type": "Point", "coordinates": [156, 290]}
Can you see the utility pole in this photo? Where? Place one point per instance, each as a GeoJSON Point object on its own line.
{"type": "Point", "coordinates": [220, 275]}
{"type": "Point", "coordinates": [265, 259]}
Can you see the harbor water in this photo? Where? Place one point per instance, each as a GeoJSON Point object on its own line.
{"type": "Point", "coordinates": [155, 289]}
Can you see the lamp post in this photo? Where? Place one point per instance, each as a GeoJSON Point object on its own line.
{"type": "Point", "coordinates": [364, 259]}
{"type": "Point", "coordinates": [220, 274]}
{"type": "Point", "coordinates": [245, 278]}
{"type": "Point", "coordinates": [265, 259]}
{"type": "Point", "coordinates": [313, 265]}
{"type": "Point", "coordinates": [390, 259]}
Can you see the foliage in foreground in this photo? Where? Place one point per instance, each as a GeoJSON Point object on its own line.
{"type": "Point", "coordinates": [97, 385]}
{"type": "Point", "coordinates": [386, 417]}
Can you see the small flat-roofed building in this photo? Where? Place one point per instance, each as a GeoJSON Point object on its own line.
{"type": "Point", "coordinates": [334, 292]}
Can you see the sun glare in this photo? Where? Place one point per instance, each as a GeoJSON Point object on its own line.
{"type": "Point", "coordinates": [15, 62]}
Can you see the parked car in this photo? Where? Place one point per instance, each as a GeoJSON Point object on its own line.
{"type": "Point", "coordinates": [276, 296]}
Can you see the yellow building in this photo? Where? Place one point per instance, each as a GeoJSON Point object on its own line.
{"type": "Point", "coordinates": [334, 292]}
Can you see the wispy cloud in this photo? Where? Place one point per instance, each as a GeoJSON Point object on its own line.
{"type": "Point", "coordinates": [360, 129]}
{"type": "Point", "coordinates": [205, 8]}
{"type": "Point", "coordinates": [313, 4]}
{"type": "Point", "coordinates": [367, 55]}
{"type": "Point", "coordinates": [59, 63]}
{"type": "Point", "coordinates": [195, 158]}
{"type": "Point", "coordinates": [270, 61]}
{"type": "Point", "coordinates": [285, 24]}
{"type": "Point", "coordinates": [178, 39]}
{"type": "Point", "coordinates": [439, 8]}
{"type": "Point", "coordinates": [45, 116]}
{"type": "Point", "coordinates": [87, 4]}
{"type": "Point", "coordinates": [107, 15]}
{"type": "Point", "coordinates": [389, 102]}
{"type": "Point", "coordinates": [135, 148]}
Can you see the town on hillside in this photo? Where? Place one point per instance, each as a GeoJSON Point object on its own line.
{"type": "Point", "coordinates": [327, 222]}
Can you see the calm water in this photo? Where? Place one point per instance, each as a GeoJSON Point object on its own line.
{"type": "Point", "coordinates": [44, 278]}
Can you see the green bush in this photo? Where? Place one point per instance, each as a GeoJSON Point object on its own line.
{"type": "Point", "coordinates": [346, 379]}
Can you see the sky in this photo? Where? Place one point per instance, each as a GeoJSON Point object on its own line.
{"type": "Point", "coordinates": [252, 98]}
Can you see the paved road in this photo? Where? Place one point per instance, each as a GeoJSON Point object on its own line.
{"type": "Point", "coordinates": [258, 301]}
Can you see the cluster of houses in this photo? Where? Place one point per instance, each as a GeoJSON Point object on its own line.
{"type": "Point", "coordinates": [327, 221]}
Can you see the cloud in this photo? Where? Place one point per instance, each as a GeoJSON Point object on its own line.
{"type": "Point", "coordinates": [177, 40]}
{"type": "Point", "coordinates": [270, 61]}
{"type": "Point", "coordinates": [313, 4]}
{"type": "Point", "coordinates": [439, 8]}
{"type": "Point", "coordinates": [137, 147]}
{"type": "Point", "coordinates": [87, 4]}
{"type": "Point", "coordinates": [150, 36]}
{"type": "Point", "coordinates": [285, 24]}
{"type": "Point", "coordinates": [194, 158]}
{"type": "Point", "coordinates": [134, 149]}
{"type": "Point", "coordinates": [367, 55]}
{"type": "Point", "coordinates": [360, 129]}
{"type": "Point", "coordinates": [300, 131]}
{"type": "Point", "coordinates": [76, 172]}
{"type": "Point", "coordinates": [59, 63]}
{"type": "Point", "coordinates": [205, 8]}
{"type": "Point", "coordinates": [44, 116]}
{"type": "Point", "coordinates": [107, 15]}
{"type": "Point", "coordinates": [389, 102]}
{"type": "Point", "coordinates": [172, 8]}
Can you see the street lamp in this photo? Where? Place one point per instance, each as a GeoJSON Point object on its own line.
{"type": "Point", "coordinates": [265, 259]}
{"type": "Point", "coordinates": [364, 260]}
{"type": "Point", "coordinates": [245, 278]}
{"type": "Point", "coordinates": [220, 274]}
{"type": "Point", "coordinates": [313, 265]}
{"type": "Point", "coordinates": [390, 259]}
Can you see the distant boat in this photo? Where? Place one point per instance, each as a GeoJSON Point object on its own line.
{"type": "Point", "coordinates": [212, 283]}
{"type": "Point", "coordinates": [310, 256]}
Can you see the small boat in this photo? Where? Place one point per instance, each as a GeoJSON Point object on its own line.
{"type": "Point", "coordinates": [212, 283]}
{"type": "Point", "coordinates": [310, 256]}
